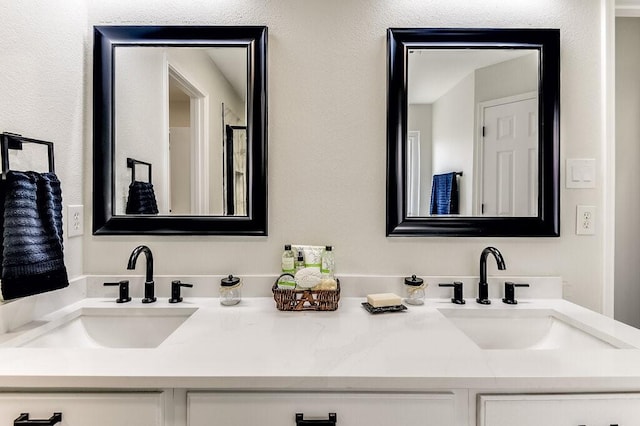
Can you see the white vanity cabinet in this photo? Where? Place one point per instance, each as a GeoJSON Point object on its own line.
{"type": "Point", "coordinates": [280, 409]}
{"type": "Point", "coordinates": [621, 409]}
{"type": "Point", "coordinates": [85, 409]}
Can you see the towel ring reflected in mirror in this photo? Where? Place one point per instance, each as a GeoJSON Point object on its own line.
{"type": "Point", "coordinates": [117, 50]}
{"type": "Point", "coordinates": [472, 65]}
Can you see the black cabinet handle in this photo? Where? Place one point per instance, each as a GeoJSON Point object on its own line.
{"type": "Point", "coordinates": [329, 422]}
{"type": "Point", "coordinates": [23, 419]}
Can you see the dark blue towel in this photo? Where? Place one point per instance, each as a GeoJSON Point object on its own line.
{"type": "Point", "coordinates": [141, 199]}
{"type": "Point", "coordinates": [32, 251]}
{"type": "Point", "coordinates": [444, 194]}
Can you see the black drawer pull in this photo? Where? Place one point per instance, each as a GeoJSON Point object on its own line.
{"type": "Point", "coordinates": [23, 419]}
{"type": "Point", "coordinates": [330, 422]}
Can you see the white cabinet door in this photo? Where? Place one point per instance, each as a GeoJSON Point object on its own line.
{"type": "Point", "coordinates": [560, 410]}
{"type": "Point", "coordinates": [261, 409]}
{"type": "Point", "coordinates": [85, 409]}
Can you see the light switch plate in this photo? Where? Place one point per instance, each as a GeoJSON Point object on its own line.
{"type": "Point", "coordinates": [75, 220]}
{"type": "Point", "coordinates": [581, 173]}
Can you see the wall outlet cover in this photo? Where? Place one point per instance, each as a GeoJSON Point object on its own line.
{"type": "Point", "coordinates": [75, 220]}
{"type": "Point", "coordinates": [585, 220]}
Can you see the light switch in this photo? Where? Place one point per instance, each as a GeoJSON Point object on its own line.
{"type": "Point", "coordinates": [581, 173]}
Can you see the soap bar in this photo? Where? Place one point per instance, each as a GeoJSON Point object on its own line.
{"type": "Point", "coordinates": [381, 300]}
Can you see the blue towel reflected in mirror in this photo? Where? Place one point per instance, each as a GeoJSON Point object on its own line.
{"type": "Point", "coordinates": [444, 194]}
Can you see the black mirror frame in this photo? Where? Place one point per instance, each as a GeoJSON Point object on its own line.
{"type": "Point", "coordinates": [106, 38]}
{"type": "Point", "coordinates": [547, 42]}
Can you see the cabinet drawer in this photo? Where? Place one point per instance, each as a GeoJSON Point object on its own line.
{"type": "Point", "coordinates": [84, 409]}
{"type": "Point", "coordinates": [560, 410]}
{"type": "Point", "coordinates": [262, 409]}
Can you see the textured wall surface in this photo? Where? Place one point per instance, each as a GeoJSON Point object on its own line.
{"type": "Point", "coordinates": [43, 54]}
{"type": "Point", "coordinates": [327, 143]}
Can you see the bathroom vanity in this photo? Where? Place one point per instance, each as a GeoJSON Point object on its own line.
{"type": "Point", "coordinates": [541, 361]}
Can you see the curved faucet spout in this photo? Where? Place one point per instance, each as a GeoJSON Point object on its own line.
{"type": "Point", "coordinates": [483, 287]}
{"type": "Point", "coordinates": [149, 296]}
{"type": "Point", "coordinates": [134, 257]}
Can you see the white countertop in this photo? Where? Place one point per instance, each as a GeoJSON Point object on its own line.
{"type": "Point", "coordinates": [254, 346]}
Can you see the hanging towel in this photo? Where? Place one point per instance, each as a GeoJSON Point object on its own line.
{"type": "Point", "coordinates": [141, 199]}
{"type": "Point", "coordinates": [444, 194]}
{"type": "Point", "coordinates": [32, 249]}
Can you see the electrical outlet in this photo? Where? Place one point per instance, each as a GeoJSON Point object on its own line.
{"type": "Point", "coordinates": [75, 221]}
{"type": "Point", "coordinates": [585, 220]}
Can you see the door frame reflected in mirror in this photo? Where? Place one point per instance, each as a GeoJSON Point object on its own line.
{"type": "Point", "coordinates": [547, 221]}
{"type": "Point", "coordinates": [106, 39]}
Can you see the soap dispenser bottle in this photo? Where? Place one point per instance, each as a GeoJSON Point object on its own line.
{"type": "Point", "coordinates": [299, 264]}
{"type": "Point", "coordinates": [328, 263]}
{"type": "Point", "coordinates": [288, 260]}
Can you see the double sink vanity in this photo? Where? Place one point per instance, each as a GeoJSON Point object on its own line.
{"type": "Point", "coordinates": [85, 359]}
{"type": "Point", "coordinates": [543, 360]}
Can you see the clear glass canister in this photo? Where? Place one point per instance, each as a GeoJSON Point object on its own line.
{"type": "Point", "coordinates": [414, 290]}
{"type": "Point", "coordinates": [230, 291]}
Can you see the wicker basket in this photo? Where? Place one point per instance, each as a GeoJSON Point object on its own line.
{"type": "Point", "coordinates": [306, 300]}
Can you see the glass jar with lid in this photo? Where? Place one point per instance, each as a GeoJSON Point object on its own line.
{"type": "Point", "coordinates": [230, 290]}
{"type": "Point", "coordinates": [414, 290]}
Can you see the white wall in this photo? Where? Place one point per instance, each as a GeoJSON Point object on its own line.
{"type": "Point", "coordinates": [453, 135]}
{"type": "Point", "coordinates": [327, 127]}
{"type": "Point", "coordinates": [497, 81]}
{"type": "Point", "coordinates": [42, 86]}
{"type": "Point", "coordinates": [627, 267]}
{"type": "Point", "coordinates": [141, 122]}
{"type": "Point", "coordinates": [420, 119]}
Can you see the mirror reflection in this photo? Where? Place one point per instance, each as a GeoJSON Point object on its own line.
{"type": "Point", "coordinates": [180, 117]}
{"type": "Point", "coordinates": [472, 137]}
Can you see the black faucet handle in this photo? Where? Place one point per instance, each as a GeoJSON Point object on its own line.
{"type": "Point", "coordinates": [123, 296]}
{"type": "Point", "coordinates": [175, 291]}
{"type": "Point", "coordinates": [509, 292]}
{"type": "Point", "coordinates": [457, 292]}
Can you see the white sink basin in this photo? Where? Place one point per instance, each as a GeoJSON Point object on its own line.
{"type": "Point", "coordinates": [120, 327]}
{"type": "Point", "coordinates": [526, 329]}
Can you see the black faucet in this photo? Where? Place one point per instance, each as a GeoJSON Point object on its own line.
{"type": "Point", "coordinates": [483, 287]}
{"type": "Point", "coordinates": [149, 296]}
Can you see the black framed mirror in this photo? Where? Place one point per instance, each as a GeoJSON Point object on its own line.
{"type": "Point", "coordinates": [163, 97]}
{"type": "Point", "coordinates": [473, 121]}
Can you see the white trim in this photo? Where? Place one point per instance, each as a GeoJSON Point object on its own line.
{"type": "Point", "coordinates": [608, 138]}
{"type": "Point", "coordinates": [413, 170]}
{"type": "Point", "coordinates": [165, 200]}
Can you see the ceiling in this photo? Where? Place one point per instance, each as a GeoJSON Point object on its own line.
{"type": "Point", "coordinates": [232, 63]}
{"type": "Point", "coordinates": [433, 72]}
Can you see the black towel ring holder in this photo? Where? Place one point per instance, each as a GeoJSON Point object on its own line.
{"type": "Point", "coordinates": [131, 164]}
{"type": "Point", "coordinates": [14, 141]}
